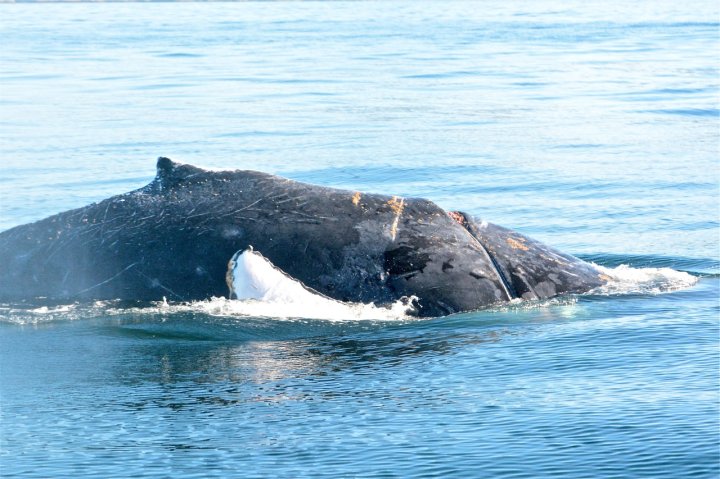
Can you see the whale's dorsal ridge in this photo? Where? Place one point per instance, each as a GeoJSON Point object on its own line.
{"type": "Point", "coordinates": [165, 165]}
{"type": "Point", "coordinates": [170, 173]}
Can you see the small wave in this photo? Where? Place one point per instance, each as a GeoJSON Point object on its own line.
{"type": "Point", "coordinates": [180, 55]}
{"type": "Point", "coordinates": [625, 279]}
{"type": "Point", "coordinates": [279, 309]}
{"type": "Point", "coordinates": [33, 314]}
{"type": "Point", "coordinates": [702, 112]}
{"type": "Point", "coordinates": [217, 307]}
{"type": "Point", "coordinates": [696, 266]}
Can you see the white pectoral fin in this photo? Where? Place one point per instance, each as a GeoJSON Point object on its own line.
{"type": "Point", "coordinates": [252, 276]}
{"type": "Point", "coordinates": [263, 289]}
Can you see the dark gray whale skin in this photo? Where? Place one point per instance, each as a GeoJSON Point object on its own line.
{"type": "Point", "coordinates": [173, 238]}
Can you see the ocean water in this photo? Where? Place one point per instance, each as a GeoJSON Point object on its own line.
{"type": "Point", "coordinates": [594, 128]}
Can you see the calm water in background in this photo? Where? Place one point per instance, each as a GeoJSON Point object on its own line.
{"type": "Point", "coordinates": [594, 129]}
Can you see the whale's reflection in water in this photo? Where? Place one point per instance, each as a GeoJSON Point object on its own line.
{"type": "Point", "coordinates": [224, 362]}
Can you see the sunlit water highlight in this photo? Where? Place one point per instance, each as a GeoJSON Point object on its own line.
{"type": "Point", "coordinates": [593, 128]}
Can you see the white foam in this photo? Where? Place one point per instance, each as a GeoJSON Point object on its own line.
{"type": "Point", "coordinates": [61, 309]}
{"type": "Point", "coordinates": [284, 309]}
{"type": "Point", "coordinates": [44, 314]}
{"type": "Point", "coordinates": [625, 279]}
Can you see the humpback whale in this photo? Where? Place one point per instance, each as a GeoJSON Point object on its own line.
{"type": "Point", "coordinates": [182, 235]}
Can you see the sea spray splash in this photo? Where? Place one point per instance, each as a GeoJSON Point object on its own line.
{"type": "Point", "coordinates": [625, 279]}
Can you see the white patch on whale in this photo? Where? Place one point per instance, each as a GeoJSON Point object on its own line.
{"type": "Point", "coordinates": [258, 287]}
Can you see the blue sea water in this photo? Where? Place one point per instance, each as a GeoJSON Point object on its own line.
{"type": "Point", "coordinates": [592, 127]}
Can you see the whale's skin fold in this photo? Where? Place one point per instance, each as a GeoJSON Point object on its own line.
{"type": "Point", "coordinates": [530, 269]}
{"type": "Point", "coordinates": [173, 238]}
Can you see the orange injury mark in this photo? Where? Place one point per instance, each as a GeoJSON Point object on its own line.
{"type": "Point", "coordinates": [356, 198]}
{"type": "Point", "coordinates": [397, 205]}
{"type": "Point", "coordinates": [517, 243]}
{"type": "Point", "coordinates": [458, 217]}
